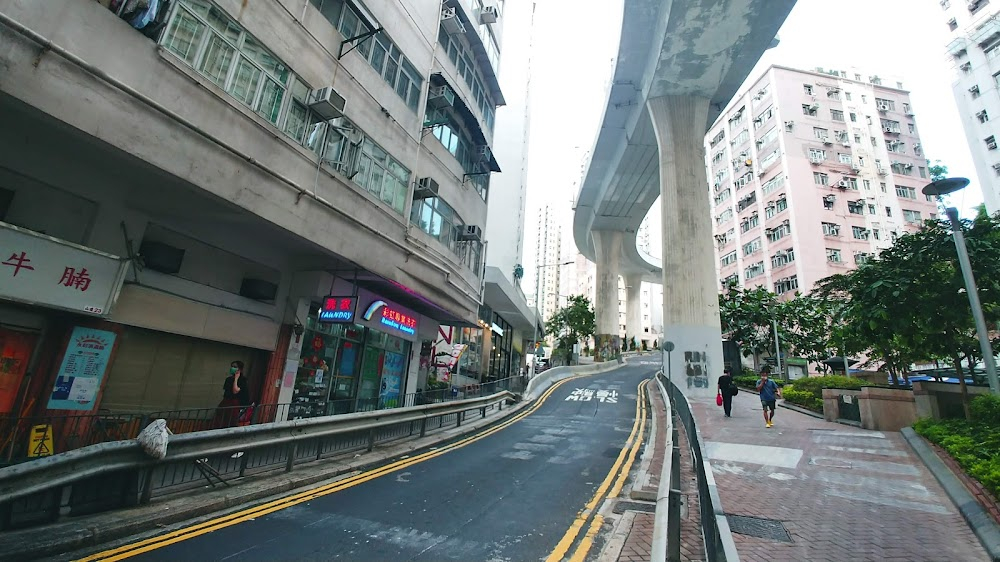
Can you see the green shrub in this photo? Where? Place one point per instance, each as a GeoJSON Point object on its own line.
{"type": "Point", "coordinates": [975, 445]}
{"type": "Point", "coordinates": [986, 409]}
{"type": "Point", "coordinates": [750, 381]}
{"type": "Point", "coordinates": [803, 398]}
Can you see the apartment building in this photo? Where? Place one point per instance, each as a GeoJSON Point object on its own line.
{"type": "Point", "coordinates": [810, 174]}
{"type": "Point", "coordinates": [300, 185]}
{"type": "Point", "coordinates": [974, 50]}
{"type": "Point", "coordinates": [549, 263]}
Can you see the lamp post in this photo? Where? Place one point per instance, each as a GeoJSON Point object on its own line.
{"type": "Point", "coordinates": [538, 290]}
{"type": "Point", "coordinates": [943, 187]}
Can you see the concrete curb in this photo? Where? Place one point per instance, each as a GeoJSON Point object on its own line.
{"type": "Point", "coordinates": [985, 528]}
{"type": "Point", "coordinates": [75, 534]}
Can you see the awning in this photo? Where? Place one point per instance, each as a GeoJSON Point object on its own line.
{"type": "Point", "coordinates": [468, 118]}
{"type": "Point", "coordinates": [507, 301]}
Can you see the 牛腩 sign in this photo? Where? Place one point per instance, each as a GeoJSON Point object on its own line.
{"type": "Point", "coordinates": [47, 271]}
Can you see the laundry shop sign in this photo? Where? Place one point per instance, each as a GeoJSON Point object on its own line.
{"type": "Point", "coordinates": [391, 319]}
{"type": "Point", "coordinates": [42, 270]}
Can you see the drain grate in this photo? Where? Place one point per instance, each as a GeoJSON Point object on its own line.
{"type": "Point", "coordinates": [761, 528]}
{"type": "Point", "coordinates": [623, 506]}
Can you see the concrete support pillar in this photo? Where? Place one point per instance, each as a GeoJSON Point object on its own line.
{"type": "Point", "coordinates": [633, 310]}
{"type": "Point", "coordinates": [609, 250]}
{"type": "Point", "coordinates": [690, 288]}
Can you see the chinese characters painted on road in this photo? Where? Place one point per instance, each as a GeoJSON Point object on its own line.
{"type": "Point", "coordinates": [590, 394]}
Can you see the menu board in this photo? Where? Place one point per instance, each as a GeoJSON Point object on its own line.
{"type": "Point", "coordinates": [82, 370]}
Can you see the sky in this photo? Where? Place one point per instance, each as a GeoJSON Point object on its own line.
{"type": "Point", "coordinates": [574, 52]}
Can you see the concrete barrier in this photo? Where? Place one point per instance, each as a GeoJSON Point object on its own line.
{"type": "Point", "coordinates": [544, 380]}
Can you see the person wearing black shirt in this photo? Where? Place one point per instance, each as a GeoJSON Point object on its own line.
{"type": "Point", "coordinates": [235, 397]}
{"type": "Point", "coordinates": [726, 388]}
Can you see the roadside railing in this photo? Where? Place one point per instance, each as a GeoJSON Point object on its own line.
{"type": "Point", "coordinates": [72, 432]}
{"type": "Point", "coordinates": [117, 474]}
{"type": "Point", "coordinates": [719, 543]}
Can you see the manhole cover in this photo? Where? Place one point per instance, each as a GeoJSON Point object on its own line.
{"type": "Point", "coordinates": [760, 528]}
{"type": "Point", "coordinates": [622, 507]}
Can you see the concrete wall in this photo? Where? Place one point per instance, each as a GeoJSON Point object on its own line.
{"type": "Point", "coordinates": [940, 400]}
{"type": "Point", "coordinates": [882, 409]}
{"type": "Point", "coordinates": [342, 218]}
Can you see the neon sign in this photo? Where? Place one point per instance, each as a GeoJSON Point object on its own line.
{"type": "Point", "coordinates": [392, 318]}
{"type": "Point", "coordinates": [338, 309]}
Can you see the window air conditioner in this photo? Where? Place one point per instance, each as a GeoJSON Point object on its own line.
{"type": "Point", "coordinates": [426, 188]}
{"type": "Point", "coordinates": [450, 22]}
{"type": "Point", "coordinates": [327, 103]}
{"type": "Point", "coordinates": [488, 15]}
{"type": "Point", "coordinates": [827, 141]}
{"type": "Point", "coordinates": [469, 233]}
{"type": "Point", "coordinates": [440, 97]}
{"type": "Point", "coordinates": [842, 184]}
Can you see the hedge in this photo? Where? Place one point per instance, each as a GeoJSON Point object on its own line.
{"type": "Point", "coordinates": [808, 392]}
{"type": "Point", "coordinates": [750, 381]}
{"type": "Point", "coordinates": [974, 444]}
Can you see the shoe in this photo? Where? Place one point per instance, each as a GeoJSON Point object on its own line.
{"type": "Point", "coordinates": [767, 425]}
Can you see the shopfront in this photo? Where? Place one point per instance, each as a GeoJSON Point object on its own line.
{"type": "Point", "coordinates": [355, 355]}
{"type": "Point", "coordinates": [52, 293]}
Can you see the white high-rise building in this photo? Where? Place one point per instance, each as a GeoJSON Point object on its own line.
{"type": "Point", "coordinates": [548, 255]}
{"type": "Point", "coordinates": [975, 51]}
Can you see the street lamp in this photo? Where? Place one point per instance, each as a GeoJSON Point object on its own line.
{"type": "Point", "coordinates": [944, 187]}
{"type": "Point", "coordinates": [538, 290]}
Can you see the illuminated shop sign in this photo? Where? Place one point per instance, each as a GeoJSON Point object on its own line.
{"type": "Point", "coordinates": [338, 309]}
{"type": "Point", "coordinates": [391, 318]}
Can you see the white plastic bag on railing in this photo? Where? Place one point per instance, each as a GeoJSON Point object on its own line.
{"type": "Point", "coordinates": [154, 438]}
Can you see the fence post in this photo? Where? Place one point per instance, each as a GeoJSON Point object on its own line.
{"type": "Point", "coordinates": [458, 418]}
{"type": "Point", "coordinates": [371, 439]}
{"type": "Point", "coordinates": [423, 427]}
{"type": "Point", "coordinates": [484, 411]}
{"type": "Point", "coordinates": [147, 486]}
{"type": "Point", "coordinates": [290, 462]}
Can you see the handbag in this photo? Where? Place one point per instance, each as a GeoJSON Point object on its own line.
{"type": "Point", "coordinates": [718, 399]}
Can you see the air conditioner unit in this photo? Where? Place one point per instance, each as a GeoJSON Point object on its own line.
{"type": "Point", "coordinates": [887, 129]}
{"type": "Point", "coordinates": [440, 97]}
{"type": "Point", "coordinates": [816, 159]}
{"type": "Point", "coordinates": [996, 167]}
{"type": "Point", "coordinates": [484, 153]}
{"type": "Point", "coordinates": [991, 145]}
{"type": "Point", "coordinates": [761, 173]}
{"type": "Point", "coordinates": [489, 14]}
{"type": "Point", "coordinates": [814, 107]}
{"type": "Point", "coordinates": [450, 22]}
{"type": "Point", "coordinates": [973, 6]}
{"type": "Point", "coordinates": [882, 171]}
{"type": "Point", "coordinates": [856, 170]}
{"type": "Point", "coordinates": [469, 233]}
{"type": "Point", "coordinates": [908, 166]}
{"type": "Point", "coordinates": [426, 188]}
{"type": "Point", "coordinates": [827, 141]}
{"type": "Point", "coordinates": [846, 144]}
{"type": "Point", "coordinates": [327, 103]}
{"type": "Point", "coordinates": [789, 125]}
{"type": "Point", "coordinates": [842, 184]}
{"type": "Point", "coordinates": [883, 108]}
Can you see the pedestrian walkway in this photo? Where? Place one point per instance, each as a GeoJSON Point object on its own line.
{"type": "Point", "coordinates": [813, 490]}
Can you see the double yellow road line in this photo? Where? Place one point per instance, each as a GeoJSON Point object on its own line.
{"type": "Point", "coordinates": [238, 517]}
{"type": "Point", "coordinates": [621, 468]}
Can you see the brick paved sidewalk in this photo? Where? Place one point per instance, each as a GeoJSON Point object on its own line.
{"type": "Point", "coordinates": [842, 493]}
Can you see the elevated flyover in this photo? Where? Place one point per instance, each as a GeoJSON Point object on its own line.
{"type": "Point", "coordinates": [679, 63]}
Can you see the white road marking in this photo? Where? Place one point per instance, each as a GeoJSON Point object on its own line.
{"type": "Point", "coordinates": [754, 454]}
{"type": "Point", "coordinates": [888, 451]}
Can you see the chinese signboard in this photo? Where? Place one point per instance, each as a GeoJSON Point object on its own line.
{"type": "Point", "coordinates": [338, 309]}
{"type": "Point", "coordinates": [82, 369]}
{"type": "Point", "coordinates": [392, 319]}
{"type": "Point", "coordinates": [39, 269]}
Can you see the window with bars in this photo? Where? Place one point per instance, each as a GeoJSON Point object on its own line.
{"type": "Point", "coordinates": [782, 258]}
{"type": "Point", "coordinates": [787, 284]}
{"type": "Point", "coordinates": [831, 229]}
{"type": "Point", "coordinates": [833, 255]}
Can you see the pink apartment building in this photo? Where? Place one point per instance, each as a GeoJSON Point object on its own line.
{"type": "Point", "coordinates": [812, 173]}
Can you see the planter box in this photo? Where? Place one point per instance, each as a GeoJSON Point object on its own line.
{"type": "Point", "coordinates": [939, 400]}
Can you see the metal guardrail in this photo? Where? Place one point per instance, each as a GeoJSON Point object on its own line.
{"type": "Point", "coordinates": [71, 432]}
{"type": "Point", "coordinates": [119, 474]}
{"type": "Point", "coordinates": [719, 543]}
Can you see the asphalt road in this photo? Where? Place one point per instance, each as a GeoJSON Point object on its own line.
{"type": "Point", "coordinates": [510, 496]}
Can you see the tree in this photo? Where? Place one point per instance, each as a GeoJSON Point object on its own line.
{"type": "Point", "coordinates": [746, 317]}
{"type": "Point", "coordinates": [571, 324]}
{"type": "Point", "coordinates": [937, 170]}
{"type": "Point", "coordinates": [910, 302]}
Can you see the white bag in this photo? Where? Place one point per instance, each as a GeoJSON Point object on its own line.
{"type": "Point", "coordinates": [154, 438]}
